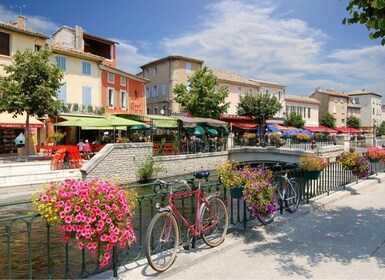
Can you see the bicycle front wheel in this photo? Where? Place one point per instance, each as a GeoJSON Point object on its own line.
{"type": "Point", "coordinates": [292, 196]}
{"type": "Point", "coordinates": [214, 222]}
{"type": "Point", "coordinates": [162, 241]}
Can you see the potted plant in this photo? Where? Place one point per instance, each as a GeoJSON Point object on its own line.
{"type": "Point", "coordinates": [95, 212]}
{"type": "Point", "coordinates": [148, 170]}
{"type": "Point", "coordinates": [362, 167]}
{"type": "Point", "coordinates": [348, 159]}
{"type": "Point", "coordinates": [375, 154]}
{"type": "Point", "coordinates": [230, 177]}
{"type": "Point", "coordinates": [312, 165]}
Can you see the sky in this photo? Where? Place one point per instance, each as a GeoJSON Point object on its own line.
{"type": "Point", "coordinates": [301, 44]}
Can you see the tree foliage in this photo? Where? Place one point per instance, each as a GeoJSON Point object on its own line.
{"type": "Point", "coordinates": [381, 129]}
{"type": "Point", "coordinates": [201, 97]}
{"type": "Point", "coordinates": [30, 86]}
{"type": "Point", "coordinates": [295, 120]}
{"type": "Point", "coordinates": [371, 13]}
{"type": "Point", "coordinates": [261, 107]}
{"type": "Point", "coordinates": [353, 121]}
{"type": "Point", "coordinates": [328, 120]}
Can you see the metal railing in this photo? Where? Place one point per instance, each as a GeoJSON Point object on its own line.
{"type": "Point", "coordinates": [30, 248]}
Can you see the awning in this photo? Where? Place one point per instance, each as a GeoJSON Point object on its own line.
{"type": "Point", "coordinates": [349, 130]}
{"type": "Point", "coordinates": [161, 121]}
{"type": "Point", "coordinates": [192, 122]}
{"type": "Point", "coordinates": [7, 121]}
{"type": "Point", "coordinates": [315, 129]}
{"type": "Point", "coordinates": [78, 121]}
{"type": "Point", "coordinates": [244, 125]}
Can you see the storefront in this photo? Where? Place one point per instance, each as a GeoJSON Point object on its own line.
{"type": "Point", "coordinates": [11, 127]}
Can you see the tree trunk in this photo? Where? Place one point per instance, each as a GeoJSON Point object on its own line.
{"type": "Point", "coordinates": [26, 137]}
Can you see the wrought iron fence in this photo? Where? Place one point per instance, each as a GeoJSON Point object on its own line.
{"type": "Point", "coordinates": [30, 248]}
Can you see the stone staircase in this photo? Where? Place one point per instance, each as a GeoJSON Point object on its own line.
{"type": "Point", "coordinates": [23, 178]}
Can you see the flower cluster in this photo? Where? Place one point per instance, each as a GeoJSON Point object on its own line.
{"type": "Point", "coordinates": [374, 153]}
{"type": "Point", "coordinates": [362, 168]}
{"type": "Point", "coordinates": [260, 191]}
{"type": "Point", "coordinates": [311, 162]}
{"type": "Point", "coordinates": [348, 160]}
{"type": "Point", "coordinates": [229, 175]}
{"type": "Point", "coordinates": [96, 211]}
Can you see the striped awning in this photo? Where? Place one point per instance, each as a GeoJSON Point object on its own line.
{"type": "Point", "coordinates": [8, 121]}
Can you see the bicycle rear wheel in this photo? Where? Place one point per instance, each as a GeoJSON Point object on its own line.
{"type": "Point", "coordinates": [162, 241]}
{"type": "Point", "coordinates": [214, 222]}
{"type": "Point", "coordinates": [292, 196]}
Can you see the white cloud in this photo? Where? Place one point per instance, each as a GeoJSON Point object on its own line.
{"type": "Point", "coordinates": [250, 39]}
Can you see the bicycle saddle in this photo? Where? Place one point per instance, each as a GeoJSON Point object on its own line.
{"type": "Point", "coordinates": [202, 174]}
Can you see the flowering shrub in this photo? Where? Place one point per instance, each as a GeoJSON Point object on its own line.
{"type": "Point", "coordinates": [311, 162]}
{"type": "Point", "coordinates": [303, 137]}
{"type": "Point", "coordinates": [348, 160]}
{"type": "Point", "coordinates": [96, 211]}
{"type": "Point", "coordinates": [275, 138]}
{"type": "Point", "coordinates": [249, 135]}
{"type": "Point", "coordinates": [375, 153]}
{"type": "Point", "coordinates": [260, 191]}
{"type": "Point", "coordinates": [362, 168]}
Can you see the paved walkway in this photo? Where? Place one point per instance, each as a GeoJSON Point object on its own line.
{"type": "Point", "coordinates": [340, 236]}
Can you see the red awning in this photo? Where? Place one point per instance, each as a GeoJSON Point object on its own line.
{"type": "Point", "coordinates": [8, 121]}
{"type": "Point", "coordinates": [320, 129]}
{"type": "Point", "coordinates": [349, 130]}
{"type": "Point", "coordinates": [244, 125]}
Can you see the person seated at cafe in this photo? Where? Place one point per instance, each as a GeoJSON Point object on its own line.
{"type": "Point", "coordinates": [97, 141]}
{"type": "Point", "coordinates": [87, 150]}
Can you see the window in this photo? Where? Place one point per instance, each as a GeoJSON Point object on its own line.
{"type": "Point", "coordinates": [123, 81]}
{"type": "Point", "coordinates": [334, 110]}
{"type": "Point", "coordinates": [163, 89]}
{"type": "Point", "coordinates": [267, 91]}
{"type": "Point", "coordinates": [110, 98]}
{"type": "Point", "coordinates": [86, 68]}
{"type": "Point", "coordinates": [335, 99]}
{"type": "Point", "coordinates": [155, 91]}
{"type": "Point", "coordinates": [148, 111]}
{"type": "Point", "coordinates": [111, 77]}
{"type": "Point", "coordinates": [37, 48]}
{"type": "Point", "coordinates": [308, 112]}
{"type": "Point", "coordinates": [86, 96]}
{"type": "Point", "coordinates": [155, 110]}
{"type": "Point", "coordinates": [239, 90]}
{"type": "Point", "coordinates": [373, 111]}
{"type": "Point", "coordinates": [123, 99]}
{"type": "Point", "coordinates": [188, 86]}
{"type": "Point", "coordinates": [146, 74]}
{"type": "Point", "coordinates": [188, 67]}
{"type": "Point", "coordinates": [356, 100]}
{"type": "Point", "coordinates": [62, 93]}
{"type": "Point", "coordinates": [279, 95]}
{"type": "Point", "coordinates": [148, 92]}
{"type": "Point", "coordinates": [61, 62]}
{"type": "Point", "coordinates": [5, 44]}
{"type": "Point", "coordinates": [250, 91]}
{"type": "Point", "coordinates": [155, 71]}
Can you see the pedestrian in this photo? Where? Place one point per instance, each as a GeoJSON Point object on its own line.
{"type": "Point", "coordinates": [87, 150]}
{"type": "Point", "coordinates": [81, 146]}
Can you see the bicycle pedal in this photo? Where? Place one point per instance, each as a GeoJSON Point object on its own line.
{"type": "Point", "coordinates": [193, 243]}
{"type": "Point", "coordinates": [186, 247]}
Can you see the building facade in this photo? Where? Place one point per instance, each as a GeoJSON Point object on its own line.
{"type": "Point", "coordinates": [371, 107]}
{"type": "Point", "coordinates": [333, 102]}
{"type": "Point", "coordinates": [307, 107]}
{"type": "Point", "coordinates": [163, 74]}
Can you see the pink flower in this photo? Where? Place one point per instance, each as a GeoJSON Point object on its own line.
{"type": "Point", "coordinates": [80, 245]}
{"type": "Point", "coordinates": [78, 208]}
{"type": "Point", "coordinates": [104, 238]}
{"type": "Point", "coordinates": [96, 202]}
{"type": "Point", "coordinates": [44, 198]}
{"type": "Point", "coordinates": [65, 239]}
{"type": "Point", "coordinates": [68, 219]}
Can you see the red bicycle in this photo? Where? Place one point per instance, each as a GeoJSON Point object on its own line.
{"type": "Point", "coordinates": [163, 234]}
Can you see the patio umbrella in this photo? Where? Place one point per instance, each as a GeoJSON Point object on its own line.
{"type": "Point", "coordinates": [212, 131]}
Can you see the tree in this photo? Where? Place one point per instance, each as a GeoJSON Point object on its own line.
{"type": "Point", "coordinates": [328, 120]}
{"type": "Point", "coordinates": [200, 98]}
{"type": "Point", "coordinates": [381, 129]}
{"type": "Point", "coordinates": [30, 87]}
{"type": "Point", "coordinates": [371, 13]}
{"type": "Point", "coordinates": [295, 120]}
{"type": "Point", "coordinates": [353, 121]}
{"type": "Point", "coordinates": [261, 107]}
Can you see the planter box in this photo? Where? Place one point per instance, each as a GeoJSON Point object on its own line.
{"type": "Point", "coordinates": [237, 192]}
{"type": "Point", "coordinates": [311, 175]}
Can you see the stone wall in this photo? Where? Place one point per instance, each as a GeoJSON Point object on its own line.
{"type": "Point", "coordinates": [122, 161]}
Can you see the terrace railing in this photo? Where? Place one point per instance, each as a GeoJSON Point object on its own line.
{"type": "Point", "coordinates": [30, 248]}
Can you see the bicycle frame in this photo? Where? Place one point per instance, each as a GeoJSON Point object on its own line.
{"type": "Point", "coordinates": [201, 199]}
